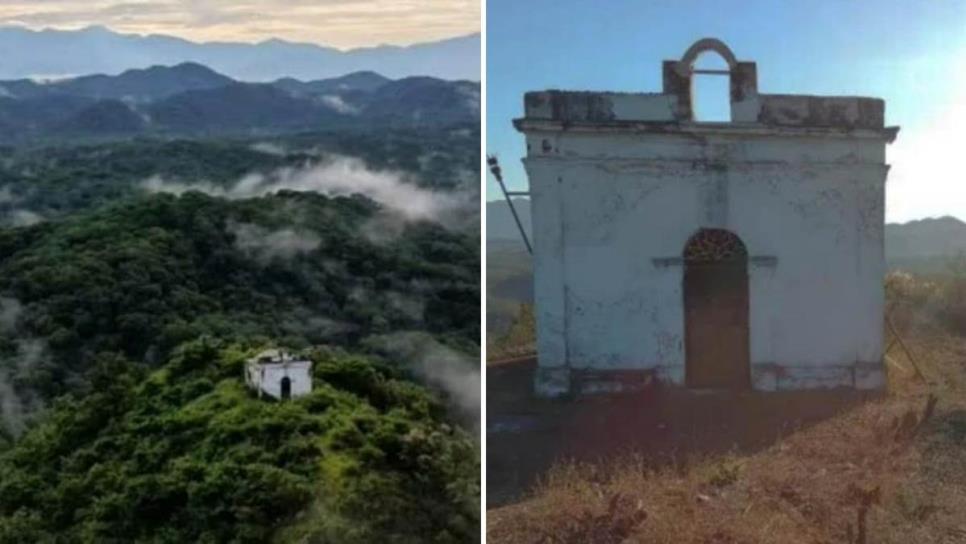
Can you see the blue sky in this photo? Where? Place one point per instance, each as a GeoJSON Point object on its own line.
{"type": "Point", "coordinates": [912, 54]}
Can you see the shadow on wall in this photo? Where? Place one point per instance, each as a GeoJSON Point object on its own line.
{"type": "Point", "coordinates": [526, 436]}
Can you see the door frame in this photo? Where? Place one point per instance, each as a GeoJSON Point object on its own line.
{"type": "Point", "coordinates": [716, 248]}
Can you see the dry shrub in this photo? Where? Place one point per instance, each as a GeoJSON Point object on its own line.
{"type": "Point", "coordinates": [936, 300]}
{"type": "Point", "coordinates": [519, 340]}
{"type": "Point", "coordinates": [796, 491]}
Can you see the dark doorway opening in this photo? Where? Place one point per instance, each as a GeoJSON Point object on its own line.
{"type": "Point", "coordinates": [286, 388]}
{"type": "Point", "coordinates": [716, 331]}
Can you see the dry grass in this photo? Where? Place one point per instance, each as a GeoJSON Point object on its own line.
{"type": "Point", "coordinates": [895, 459]}
{"type": "Point", "coordinates": [519, 340]}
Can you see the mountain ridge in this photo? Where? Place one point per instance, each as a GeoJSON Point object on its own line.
{"type": "Point", "coordinates": [43, 52]}
{"type": "Point", "coordinates": [190, 98]}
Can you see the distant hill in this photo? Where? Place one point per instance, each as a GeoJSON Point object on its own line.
{"type": "Point", "coordinates": [105, 117]}
{"type": "Point", "coordinates": [236, 107]}
{"type": "Point", "coordinates": [500, 225]}
{"type": "Point", "coordinates": [425, 99]}
{"type": "Point", "coordinates": [133, 86]}
{"type": "Point", "coordinates": [926, 237]}
{"type": "Point", "coordinates": [96, 50]}
{"type": "Point", "coordinates": [926, 245]}
{"type": "Point", "coordinates": [357, 81]}
{"type": "Point", "coordinates": [140, 85]}
{"type": "Point", "coordinates": [189, 98]}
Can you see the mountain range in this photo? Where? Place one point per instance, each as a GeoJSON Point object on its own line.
{"type": "Point", "coordinates": [192, 99]}
{"type": "Point", "coordinates": [55, 53]}
{"type": "Point", "coordinates": [924, 245]}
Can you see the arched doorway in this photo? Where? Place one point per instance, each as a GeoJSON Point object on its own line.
{"type": "Point", "coordinates": [716, 311]}
{"type": "Point", "coordinates": [286, 388]}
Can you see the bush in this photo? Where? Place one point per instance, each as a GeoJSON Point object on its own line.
{"type": "Point", "coordinates": [188, 454]}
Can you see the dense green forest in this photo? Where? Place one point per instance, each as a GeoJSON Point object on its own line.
{"type": "Point", "coordinates": [126, 315]}
{"type": "Point", "coordinates": [186, 454]}
{"type": "Point", "coordinates": [140, 278]}
{"type": "Point", "coordinates": [54, 181]}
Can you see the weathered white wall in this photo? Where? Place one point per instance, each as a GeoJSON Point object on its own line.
{"type": "Point", "coordinates": [809, 210]}
{"type": "Point", "coordinates": [267, 377]}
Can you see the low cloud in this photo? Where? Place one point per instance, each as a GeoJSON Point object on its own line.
{"type": "Point", "coordinates": [7, 196]}
{"type": "Point", "coordinates": [269, 148]}
{"type": "Point", "coordinates": [267, 244]}
{"type": "Point", "coordinates": [10, 310]}
{"type": "Point", "coordinates": [339, 176]}
{"type": "Point", "coordinates": [16, 217]}
{"type": "Point", "coordinates": [16, 404]}
{"type": "Point", "coordinates": [457, 374]}
{"type": "Point", "coordinates": [11, 408]}
{"type": "Point", "coordinates": [414, 308]}
{"type": "Point", "coordinates": [25, 218]}
{"type": "Point", "coordinates": [20, 218]}
{"type": "Point", "coordinates": [30, 352]}
{"type": "Point", "coordinates": [336, 103]}
{"type": "Point", "coordinates": [316, 328]}
{"type": "Point", "coordinates": [471, 98]}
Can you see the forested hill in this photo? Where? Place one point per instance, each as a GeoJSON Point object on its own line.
{"type": "Point", "coordinates": [188, 454]}
{"type": "Point", "coordinates": [140, 278]}
{"type": "Point", "coordinates": [189, 99]}
{"type": "Point", "coordinates": [123, 329]}
{"type": "Point", "coordinates": [45, 183]}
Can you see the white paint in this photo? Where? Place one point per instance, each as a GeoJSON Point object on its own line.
{"type": "Point", "coordinates": [607, 204]}
{"type": "Point", "coordinates": [266, 371]}
{"type": "Point", "coordinates": [620, 182]}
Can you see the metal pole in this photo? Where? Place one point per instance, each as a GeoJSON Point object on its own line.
{"type": "Point", "coordinates": [498, 174]}
{"type": "Point", "coordinates": [915, 365]}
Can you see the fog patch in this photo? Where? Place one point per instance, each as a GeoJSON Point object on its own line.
{"type": "Point", "coordinates": [334, 267]}
{"type": "Point", "coordinates": [266, 245]}
{"type": "Point", "coordinates": [12, 420]}
{"type": "Point", "coordinates": [30, 351]}
{"type": "Point", "coordinates": [269, 148]}
{"type": "Point", "coordinates": [336, 103]}
{"type": "Point", "coordinates": [336, 176]}
{"type": "Point", "coordinates": [47, 79]}
{"type": "Point", "coordinates": [16, 403]}
{"type": "Point", "coordinates": [455, 373]}
{"type": "Point", "coordinates": [7, 196]}
{"type": "Point", "coordinates": [412, 308]}
{"type": "Point", "coordinates": [316, 328]}
{"type": "Point", "coordinates": [471, 98]}
{"type": "Point", "coordinates": [382, 229]}
{"type": "Point", "coordinates": [21, 218]}
{"type": "Point", "coordinates": [358, 295]}
{"type": "Point", "coordinates": [10, 310]}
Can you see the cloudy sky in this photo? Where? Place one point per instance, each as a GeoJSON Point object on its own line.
{"type": "Point", "coordinates": [338, 23]}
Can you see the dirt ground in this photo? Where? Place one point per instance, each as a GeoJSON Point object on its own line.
{"type": "Point", "coordinates": [526, 435]}
{"type": "Point", "coordinates": [670, 465]}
